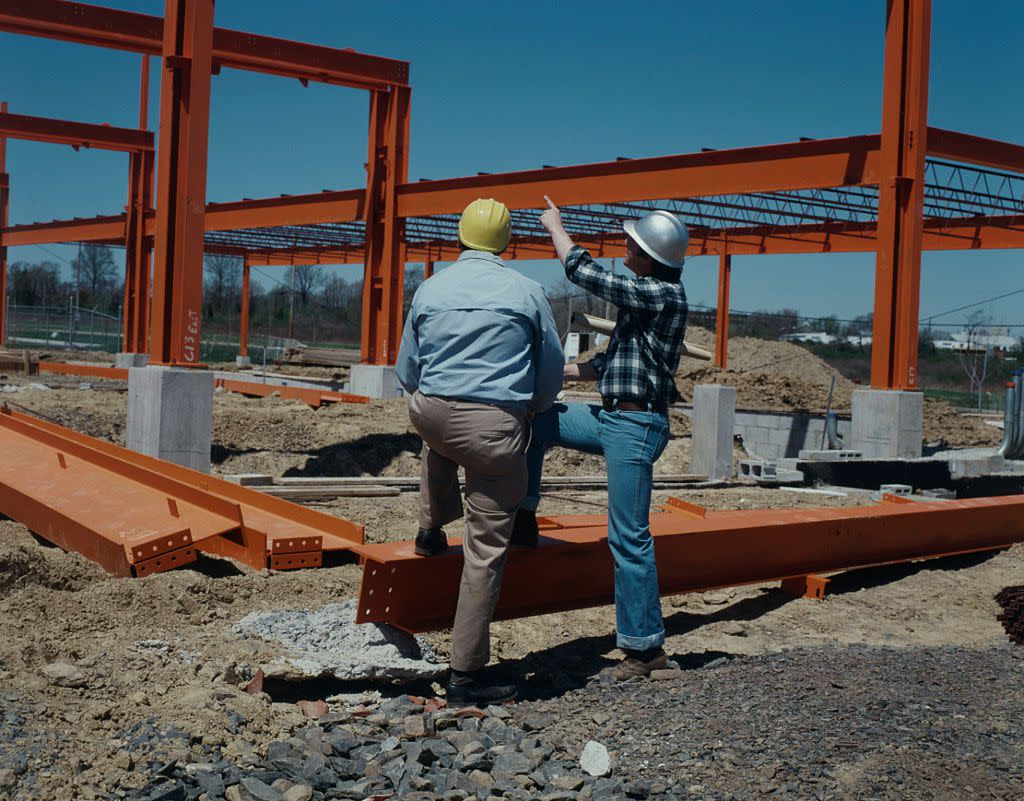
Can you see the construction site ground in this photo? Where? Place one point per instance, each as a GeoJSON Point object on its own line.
{"type": "Point", "coordinates": [163, 649]}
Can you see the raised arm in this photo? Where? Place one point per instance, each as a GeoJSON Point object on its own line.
{"type": "Point", "coordinates": [642, 296]}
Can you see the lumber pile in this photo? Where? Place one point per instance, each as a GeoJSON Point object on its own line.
{"type": "Point", "coordinates": [321, 357]}
{"type": "Point", "coordinates": [20, 361]}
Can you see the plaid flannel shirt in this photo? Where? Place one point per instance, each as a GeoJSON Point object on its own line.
{"type": "Point", "coordinates": [643, 353]}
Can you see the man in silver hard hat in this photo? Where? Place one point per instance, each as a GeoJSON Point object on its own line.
{"type": "Point", "coordinates": [635, 377]}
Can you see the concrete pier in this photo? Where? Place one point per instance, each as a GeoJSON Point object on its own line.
{"type": "Point", "coordinates": [887, 424]}
{"type": "Point", "coordinates": [714, 419]}
{"type": "Point", "coordinates": [375, 381]}
{"type": "Point", "coordinates": [170, 414]}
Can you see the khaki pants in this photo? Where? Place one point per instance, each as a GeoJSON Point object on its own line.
{"type": "Point", "coordinates": [490, 443]}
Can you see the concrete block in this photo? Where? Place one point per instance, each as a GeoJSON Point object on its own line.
{"type": "Point", "coordinates": [243, 361]}
{"type": "Point", "coordinates": [170, 414]}
{"type": "Point", "coordinates": [830, 456]}
{"type": "Point", "coordinates": [976, 467]}
{"type": "Point", "coordinates": [896, 489]}
{"type": "Point", "coordinates": [714, 418]}
{"type": "Point", "coordinates": [375, 380]}
{"type": "Point", "coordinates": [125, 361]}
{"type": "Point", "coordinates": [887, 424]}
{"type": "Point", "coordinates": [251, 479]}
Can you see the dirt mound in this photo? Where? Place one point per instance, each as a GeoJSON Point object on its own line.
{"type": "Point", "coordinates": [943, 423]}
{"type": "Point", "coordinates": [25, 565]}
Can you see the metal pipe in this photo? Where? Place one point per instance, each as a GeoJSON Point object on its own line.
{"type": "Point", "coordinates": [1009, 421]}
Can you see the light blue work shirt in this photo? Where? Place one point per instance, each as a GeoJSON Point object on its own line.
{"type": "Point", "coordinates": [480, 331]}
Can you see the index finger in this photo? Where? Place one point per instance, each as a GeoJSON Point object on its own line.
{"type": "Point", "coordinates": [550, 204]}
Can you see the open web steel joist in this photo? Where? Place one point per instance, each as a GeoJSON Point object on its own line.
{"type": "Point", "coordinates": [696, 550]}
{"type": "Point", "coordinates": [137, 515]}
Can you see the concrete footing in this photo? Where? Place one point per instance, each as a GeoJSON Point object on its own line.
{"type": "Point", "coordinates": [170, 414]}
{"type": "Point", "coordinates": [375, 381]}
{"type": "Point", "coordinates": [887, 424]}
{"type": "Point", "coordinates": [714, 418]}
{"type": "Point", "coordinates": [242, 361]}
{"type": "Point", "coordinates": [125, 361]}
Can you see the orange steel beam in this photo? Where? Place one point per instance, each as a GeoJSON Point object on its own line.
{"type": "Point", "coordinates": [722, 311]}
{"type": "Point", "coordinates": [5, 199]}
{"type": "Point", "coordinates": [384, 276]}
{"type": "Point", "coordinates": [901, 195]}
{"type": "Point", "coordinates": [849, 161]}
{"type": "Point", "coordinates": [142, 33]}
{"type": "Point", "coordinates": [308, 395]}
{"type": "Point", "coordinates": [970, 149]}
{"type": "Point", "coordinates": [138, 246]}
{"type": "Point", "coordinates": [428, 267]}
{"type": "Point", "coordinates": [76, 134]}
{"type": "Point", "coordinates": [696, 550]}
{"type": "Point", "coordinates": [181, 182]}
{"type": "Point", "coordinates": [263, 531]}
{"type": "Point", "coordinates": [243, 324]}
{"type": "Point", "coordinates": [84, 370]}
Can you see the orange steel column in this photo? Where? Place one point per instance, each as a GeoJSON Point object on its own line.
{"type": "Point", "coordinates": [5, 198]}
{"type": "Point", "coordinates": [243, 325]}
{"type": "Point", "coordinates": [722, 312]}
{"type": "Point", "coordinates": [138, 247]}
{"type": "Point", "coordinates": [384, 272]}
{"type": "Point", "coordinates": [428, 268]}
{"type": "Point", "coordinates": [181, 182]}
{"type": "Point", "coordinates": [901, 195]}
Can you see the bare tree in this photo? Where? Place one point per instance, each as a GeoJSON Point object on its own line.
{"type": "Point", "coordinates": [308, 278]}
{"type": "Point", "coordinates": [974, 358]}
{"type": "Point", "coordinates": [94, 267]}
{"type": "Point", "coordinates": [223, 274]}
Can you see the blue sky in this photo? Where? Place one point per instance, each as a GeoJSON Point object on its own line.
{"type": "Point", "coordinates": [512, 86]}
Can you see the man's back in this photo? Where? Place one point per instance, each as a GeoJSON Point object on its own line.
{"type": "Point", "coordinates": [480, 331]}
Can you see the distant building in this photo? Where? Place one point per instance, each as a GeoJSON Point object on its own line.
{"type": "Point", "coordinates": [978, 341]}
{"type": "Point", "coordinates": [811, 337]}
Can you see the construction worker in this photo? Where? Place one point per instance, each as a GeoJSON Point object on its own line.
{"type": "Point", "coordinates": [635, 377]}
{"type": "Point", "coordinates": [480, 355]}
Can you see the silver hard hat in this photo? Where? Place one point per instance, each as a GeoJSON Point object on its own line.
{"type": "Point", "coordinates": [662, 235]}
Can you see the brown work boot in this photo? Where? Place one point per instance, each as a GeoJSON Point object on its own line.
{"type": "Point", "coordinates": [638, 663]}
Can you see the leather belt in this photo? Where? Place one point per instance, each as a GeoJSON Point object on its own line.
{"type": "Point", "coordinates": [627, 405]}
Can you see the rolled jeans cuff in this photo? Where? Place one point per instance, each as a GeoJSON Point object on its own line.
{"type": "Point", "coordinates": [640, 643]}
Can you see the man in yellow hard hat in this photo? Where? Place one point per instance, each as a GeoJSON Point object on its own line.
{"type": "Point", "coordinates": [480, 355]}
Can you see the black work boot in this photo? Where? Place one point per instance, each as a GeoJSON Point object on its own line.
{"type": "Point", "coordinates": [431, 542]}
{"type": "Point", "coordinates": [524, 529]}
{"type": "Point", "coordinates": [469, 689]}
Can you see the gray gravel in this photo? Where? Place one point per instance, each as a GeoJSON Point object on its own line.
{"type": "Point", "coordinates": [836, 723]}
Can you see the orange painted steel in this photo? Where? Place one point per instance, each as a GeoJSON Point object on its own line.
{"type": "Point", "coordinates": [181, 182]}
{"type": "Point", "coordinates": [243, 323]}
{"type": "Point", "coordinates": [308, 395]}
{"type": "Point", "coordinates": [142, 33]}
{"type": "Point", "coordinates": [55, 477]}
{"type": "Point", "coordinates": [722, 311]}
{"type": "Point", "coordinates": [384, 274]}
{"type": "Point", "coordinates": [978, 150]}
{"type": "Point", "coordinates": [5, 199]}
{"type": "Point", "coordinates": [76, 134]}
{"type": "Point", "coordinates": [696, 550]}
{"type": "Point", "coordinates": [138, 246]}
{"type": "Point", "coordinates": [84, 370]}
{"type": "Point", "coordinates": [901, 195]}
{"type": "Point", "coordinates": [848, 161]}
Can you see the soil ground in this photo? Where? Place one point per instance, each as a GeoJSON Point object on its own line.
{"type": "Point", "coordinates": [163, 649]}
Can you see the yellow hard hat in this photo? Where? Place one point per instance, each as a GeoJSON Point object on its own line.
{"type": "Point", "coordinates": [485, 225]}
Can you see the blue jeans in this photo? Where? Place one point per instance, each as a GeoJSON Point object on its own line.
{"type": "Point", "coordinates": [631, 443]}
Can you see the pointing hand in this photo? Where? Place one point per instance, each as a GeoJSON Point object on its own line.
{"type": "Point", "coordinates": [551, 218]}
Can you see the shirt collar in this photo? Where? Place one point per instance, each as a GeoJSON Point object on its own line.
{"type": "Point", "coordinates": [479, 254]}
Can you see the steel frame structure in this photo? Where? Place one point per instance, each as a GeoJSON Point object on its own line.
{"type": "Point", "coordinates": [191, 51]}
{"type": "Point", "coordinates": [910, 188]}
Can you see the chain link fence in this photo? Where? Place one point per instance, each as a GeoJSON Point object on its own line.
{"type": "Point", "coordinates": [69, 327]}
